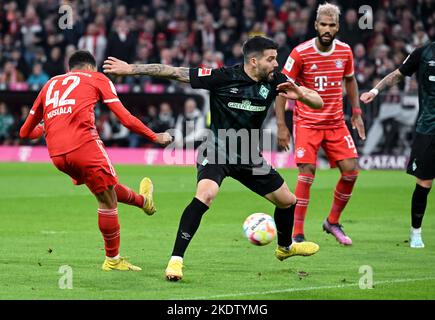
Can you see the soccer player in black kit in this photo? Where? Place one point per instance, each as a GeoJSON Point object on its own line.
{"type": "Point", "coordinates": [240, 97]}
{"type": "Point", "coordinates": [422, 159]}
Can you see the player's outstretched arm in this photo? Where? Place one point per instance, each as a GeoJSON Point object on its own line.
{"type": "Point", "coordinates": [31, 128]}
{"type": "Point", "coordinates": [134, 124]}
{"type": "Point", "coordinates": [291, 90]}
{"type": "Point", "coordinates": [118, 67]}
{"type": "Point", "coordinates": [388, 81]}
{"type": "Point", "coordinates": [36, 133]}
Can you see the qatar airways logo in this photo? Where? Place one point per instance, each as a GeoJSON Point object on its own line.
{"type": "Point", "coordinates": [320, 83]}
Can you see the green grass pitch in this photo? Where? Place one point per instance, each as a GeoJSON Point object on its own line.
{"type": "Point", "coordinates": [47, 223]}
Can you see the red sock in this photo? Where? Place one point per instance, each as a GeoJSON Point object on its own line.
{"type": "Point", "coordinates": [109, 227]}
{"type": "Point", "coordinates": [342, 194]}
{"type": "Point", "coordinates": [125, 195]}
{"type": "Point", "coordinates": [302, 193]}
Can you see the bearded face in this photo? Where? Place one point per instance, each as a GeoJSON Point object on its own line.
{"type": "Point", "coordinates": [327, 28]}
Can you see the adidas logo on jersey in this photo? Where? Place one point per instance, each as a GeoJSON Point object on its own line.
{"type": "Point", "coordinates": [314, 67]}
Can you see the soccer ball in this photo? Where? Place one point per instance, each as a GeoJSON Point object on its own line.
{"type": "Point", "coordinates": [259, 228]}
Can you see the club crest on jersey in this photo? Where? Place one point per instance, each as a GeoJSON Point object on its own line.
{"type": "Point", "coordinates": [204, 72]}
{"type": "Point", "coordinates": [300, 152]}
{"type": "Point", "coordinates": [289, 64]}
{"type": "Point", "coordinates": [414, 165]}
{"type": "Point", "coordinates": [264, 92]}
{"type": "Point", "coordinates": [339, 64]}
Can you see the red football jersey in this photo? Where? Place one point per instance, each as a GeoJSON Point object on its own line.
{"type": "Point", "coordinates": [66, 104]}
{"type": "Point", "coordinates": [322, 72]}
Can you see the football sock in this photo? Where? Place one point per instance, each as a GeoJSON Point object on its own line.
{"type": "Point", "coordinates": [302, 193]}
{"type": "Point", "coordinates": [416, 231]}
{"type": "Point", "coordinates": [418, 205]}
{"type": "Point", "coordinates": [176, 258]}
{"type": "Point", "coordinates": [189, 223]}
{"type": "Point", "coordinates": [109, 227]}
{"type": "Point", "coordinates": [342, 194]}
{"type": "Point", "coordinates": [125, 195]}
{"type": "Point", "coordinates": [284, 224]}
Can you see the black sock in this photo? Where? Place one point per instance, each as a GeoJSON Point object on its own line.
{"type": "Point", "coordinates": [284, 219]}
{"type": "Point", "coordinates": [189, 223]}
{"type": "Point", "coordinates": [419, 201]}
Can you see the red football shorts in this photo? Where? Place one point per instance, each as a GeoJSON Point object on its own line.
{"type": "Point", "coordinates": [88, 165]}
{"type": "Point", "coordinates": [337, 144]}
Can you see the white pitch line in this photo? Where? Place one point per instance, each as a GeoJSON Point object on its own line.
{"type": "Point", "coordinates": [52, 232]}
{"type": "Point", "coordinates": [301, 289]}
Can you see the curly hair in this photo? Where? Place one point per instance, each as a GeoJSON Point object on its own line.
{"type": "Point", "coordinates": [328, 9]}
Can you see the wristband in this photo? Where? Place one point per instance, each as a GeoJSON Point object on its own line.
{"type": "Point", "coordinates": [356, 111]}
{"type": "Point", "coordinates": [374, 91]}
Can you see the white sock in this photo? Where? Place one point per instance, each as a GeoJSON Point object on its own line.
{"type": "Point", "coordinates": [416, 231]}
{"type": "Point", "coordinates": [113, 258]}
{"type": "Point", "coordinates": [177, 258]}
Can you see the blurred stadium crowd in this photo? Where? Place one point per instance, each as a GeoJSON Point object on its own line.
{"type": "Point", "coordinates": [193, 33]}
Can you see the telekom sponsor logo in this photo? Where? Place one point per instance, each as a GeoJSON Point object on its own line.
{"type": "Point", "coordinates": [24, 153]}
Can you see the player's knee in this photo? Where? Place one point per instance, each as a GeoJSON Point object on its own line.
{"type": "Point", "coordinates": [287, 199]}
{"type": "Point", "coordinates": [350, 176]}
{"type": "Point", "coordinates": [348, 165]}
{"type": "Point", "coordinates": [107, 198]}
{"type": "Point", "coordinates": [307, 168]}
{"type": "Point", "coordinates": [425, 183]}
{"type": "Point", "coordinates": [206, 196]}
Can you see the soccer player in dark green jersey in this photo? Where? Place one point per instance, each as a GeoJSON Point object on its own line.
{"type": "Point", "coordinates": [240, 97]}
{"type": "Point", "coordinates": [422, 160]}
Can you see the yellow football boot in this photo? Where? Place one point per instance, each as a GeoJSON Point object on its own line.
{"type": "Point", "coordinates": [119, 264]}
{"type": "Point", "coordinates": [146, 190]}
{"type": "Point", "coordinates": [305, 248]}
{"type": "Point", "coordinates": [174, 270]}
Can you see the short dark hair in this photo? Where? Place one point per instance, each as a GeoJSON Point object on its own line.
{"type": "Point", "coordinates": [257, 45]}
{"type": "Point", "coordinates": [81, 58]}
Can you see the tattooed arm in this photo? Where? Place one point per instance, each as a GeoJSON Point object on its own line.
{"type": "Point", "coordinates": [162, 71]}
{"type": "Point", "coordinates": [119, 67]}
{"type": "Point", "coordinates": [388, 81]}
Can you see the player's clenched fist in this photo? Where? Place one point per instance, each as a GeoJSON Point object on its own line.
{"type": "Point", "coordinates": [367, 97]}
{"type": "Point", "coordinates": [116, 66]}
{"type": "Point", "coordinates": [284, 138]}
{"type": "Point", "coordinates": [164, 138]}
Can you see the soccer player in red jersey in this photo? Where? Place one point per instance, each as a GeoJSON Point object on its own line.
{"type": "Point", "coordinates": [323, 64]}
{"type": "Point", "coordinates": [66, 104]}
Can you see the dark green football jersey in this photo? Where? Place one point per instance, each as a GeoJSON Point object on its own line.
{"type": "Point", "coordinates": [238, 107]}
{"type": "Point", "coordinates": [422, 61]}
